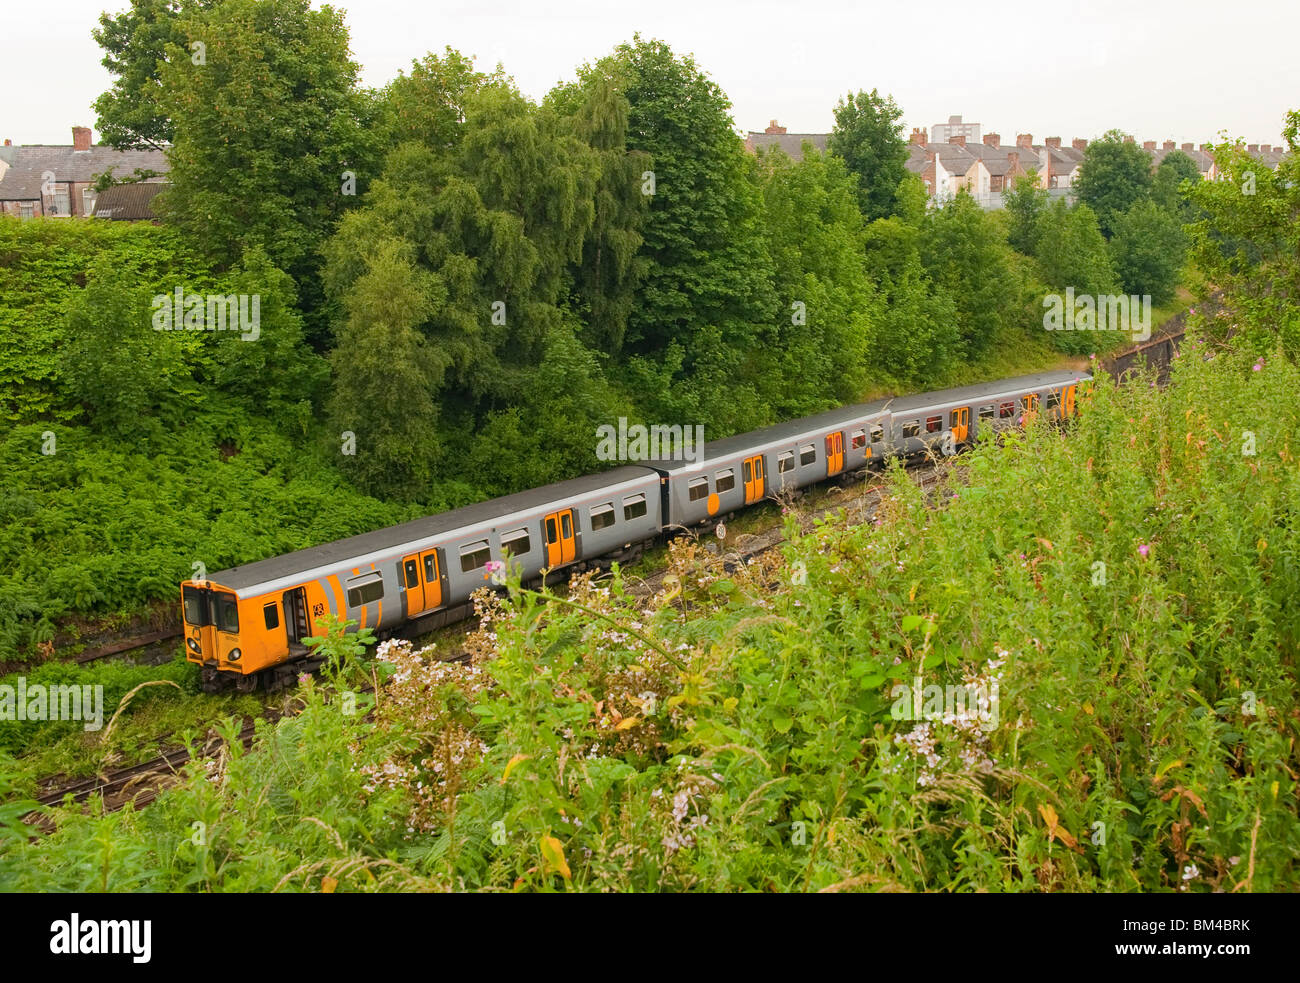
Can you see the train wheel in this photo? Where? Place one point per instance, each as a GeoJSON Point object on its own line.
{"type": "Point", "coordinates": [249, 683]}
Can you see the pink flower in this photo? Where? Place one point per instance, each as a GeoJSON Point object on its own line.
{"type": "Point", "coordinates": [1256, 367]}
{"type": "Point", "coordinates": [1144, 549]}
{"type": "Point", "coordinates": [1092, 358]}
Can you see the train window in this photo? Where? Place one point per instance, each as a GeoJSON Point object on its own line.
{"type": "Point", "coordinates": [412, 570]}
{"type": "Point", "coordinates": [602, 516]}
{"type": "Point", "coordinates": [725, 481]}
{"type": "Point", "coordinates": [196, 611]}
{"type": "Point", "coordinates": [566, 524]}
{"type": "Point", "coordinates": [986, 412]}
{"type": "Point", "coordinates": [517, 542]}
{"type": "Point", "coordinates": [858, 439]}
{"type": "Point", "coordinates": [807, 454]}
{"type": "Point", "coordinates": [785, 462]}
{"type": "Point", "coordinates": [225, 613]}
{"type": "Point", "coordinates": [1029, 402]}
{"type": "Point", "coordinates": [365, 589]}
{"type": "Point", "coordinates": [698, 488]}
{"type": "Point", "coordinates": [431, 575]}
{"type": "Point", "coordinates": [933, 424]}
{"type": "Point", "coordinates": [877, 433]}
{"type": "Point", "coordinates": [1007, 410]}
{"type": "Point", "coordinates": [1053, 399]}
{"type": "Point", "coordinates": [911, 428]}
{"type": "Point", "coordinates": [474, 555]}
{"type": "Point", "coordinates": [634, 507]}
{"type": "Point", "coordinates": [271, 615]}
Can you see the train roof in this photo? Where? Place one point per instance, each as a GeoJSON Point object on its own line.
{"type": "Point", "coordinates": [985, 390]}
{"type": "Point", "coordinates": [333, 554]}
{"type": "Point", "coordinates": [716, 450]}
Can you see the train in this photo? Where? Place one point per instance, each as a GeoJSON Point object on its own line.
{"type": "Point", "coordinates": [246, 626]}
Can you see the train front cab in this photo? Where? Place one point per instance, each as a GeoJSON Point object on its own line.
{"type": "Point", "coordinates": [226, 633]}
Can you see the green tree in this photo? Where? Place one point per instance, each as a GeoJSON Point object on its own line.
{"type": "Point", "coordinates": [1025, 202]}
{"type": "Point", "coordinates": [964, 253]}
{"type": "Point", "coordinates": [428, 105]}
{"type": "Point", "coordinates": [1247, 242]}
{"type": "Point", "coordinates": [1071, 251]}
{"type": "Point", "coordinates": [815, 234]}
{"type": "Point", "coordinates": [265, 124]}
{"type": "Point", "coordinates": [1167, 187]}
{"type": "Point", "coordinates": [868, 135]}
{"type": "Point", "coordinates": [130, 114]}
{"type": "Point", "coordinates": [1115, 174]}
{"type": "Point", "coordinates": [1147, 249]}
{"type": "Point", "coordinates": [383, 396]}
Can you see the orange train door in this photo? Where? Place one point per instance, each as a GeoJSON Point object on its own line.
{"type": "Point", "coordinates": [423, 579]}
{"type": "Point", "coordinates": [959, 423]}
{"type": "Point", "coordinates": [1069, 401]}
{"type": "Point", "coordinates": [754, 473]}
{"type": "Point", "coordinates": [560, 547]}
{"type": "Point", "coordinates": [834, 453]}
{"type": "Point", "coordinates": [1031, 406]}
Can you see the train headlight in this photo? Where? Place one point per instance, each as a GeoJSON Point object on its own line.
{"type": "Point", "coordinates": [234, 655]}
{"type": "Point", "coordinates": [193, 646]}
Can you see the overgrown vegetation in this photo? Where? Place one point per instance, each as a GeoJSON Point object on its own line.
{"type": "Point", "coordinates": [741, 731]}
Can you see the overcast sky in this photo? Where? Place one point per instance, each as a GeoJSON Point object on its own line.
{"type": "Point", "coordinates": [1159, 69]}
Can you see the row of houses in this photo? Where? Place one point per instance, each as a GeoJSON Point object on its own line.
{"type": "Point", "coordinates": [58, 181]}
{"type": "Point", "coordinates": [959, 158]}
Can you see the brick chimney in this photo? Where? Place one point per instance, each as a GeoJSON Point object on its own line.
{"type": "Point", "coordinates": [81, 138]}
{"type": "Point", "coordinates": [1148, 145]}
{"type": "Point", "coordinates": [1168, 145]}
{"type": "Point", "coordinates": [8, 142]}
{"type": "Point", "coordinates": [1024, 139]}
{"type": "Point", "coordinates": [1128, 139]}
{"type": "Point", "coordinates": [1205, 147]}
{"type": "Point", "coordinates": [1252, 148]}
{"type": "Point", "coordinates": [1053, 142]}
{"type": "Point", "coordinates": [1013, 162]}
{"type": "Point", "coordinates": [958, 140]}
{"type": "Point", "coordinates": [773, 128]}
{"type": "Point", "coordinates": [1265, 148]}
{"type": "Point", "coordinates": [1188, 146]}
{"type": "Point", "coordinates": [919, 137]}
{"type": "Point", "coordinates": [1079, 144]}
{"type": "Point", "coordinates": [992, 140]}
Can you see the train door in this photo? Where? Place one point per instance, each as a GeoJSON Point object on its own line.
{"type": "Point", "coordinates": [1031, 406]}
{"type": "Point", "coordinates": [959, 424]}
{"type": "Point", "coordinates": [296, 627]}
{"type": "Point", "coordinates": [1069, 401]}
{"type": "Point", "coordinates": [754, 475]}
{"type": "Point", "coordinates": [422, 575]}
{"type": "Point", "coordinates": [834, 453]}
{"type": "Point", "coordinates": [560, 545]}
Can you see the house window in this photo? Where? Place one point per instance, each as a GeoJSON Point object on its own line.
{"type": "Point", "coordinates": [807, 454]}
{"type": "Point", "coordinates": [725, 481]}
{"type": "Point", "coordinates": [785, 462]}
{"type": "Point", "coordinates": [87, 201]}
{"type": "Point", "coordinates": [474, 555]}
{"type": "Point", "coordinates": [698, 489]}
{"type": "Point", "coordinates": [1006, 411]}
{"type": "Point", "coordinates": [634, 507]}
{"type": "Point", "coordinates": [602, 516]}
{"type": "Point", "coordinates": [365, 589]}
{"type": "Point", "coordinates": [61, 203]}
{"type": "Point", "coordinates": [933, 424]}
{"type": "Point", "coordinates": [858, 439]}
{"type": "Point", "coordinates": [986, 412]}
{"type": "Point", "coordinates": [912, 428]}
{"type": "Point", "coordinates": [517, 542]}
{"type": "Point", "coordinates": [877, 433]}
{"type": "Point", "coordinates": [26, 210]}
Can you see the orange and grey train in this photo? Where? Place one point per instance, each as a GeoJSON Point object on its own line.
{"type": "Point", "coordinates": [246, 625]}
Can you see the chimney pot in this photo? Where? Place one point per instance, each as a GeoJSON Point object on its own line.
{"type": "Point", "coordinates": [1053, 142]}
{"type": "Point", "coordinates": [1079, 144]}
{"type": "Point", "coordinates": [918, 137]}
{"type": "Point", "coordinates": [992, 139]}
{"type": "Point", "coordinates": [774, 128]}
{"type": "Point", "coordinates": [81, 138]}
{"type": "Point", "coordinates": [1024, 139]}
